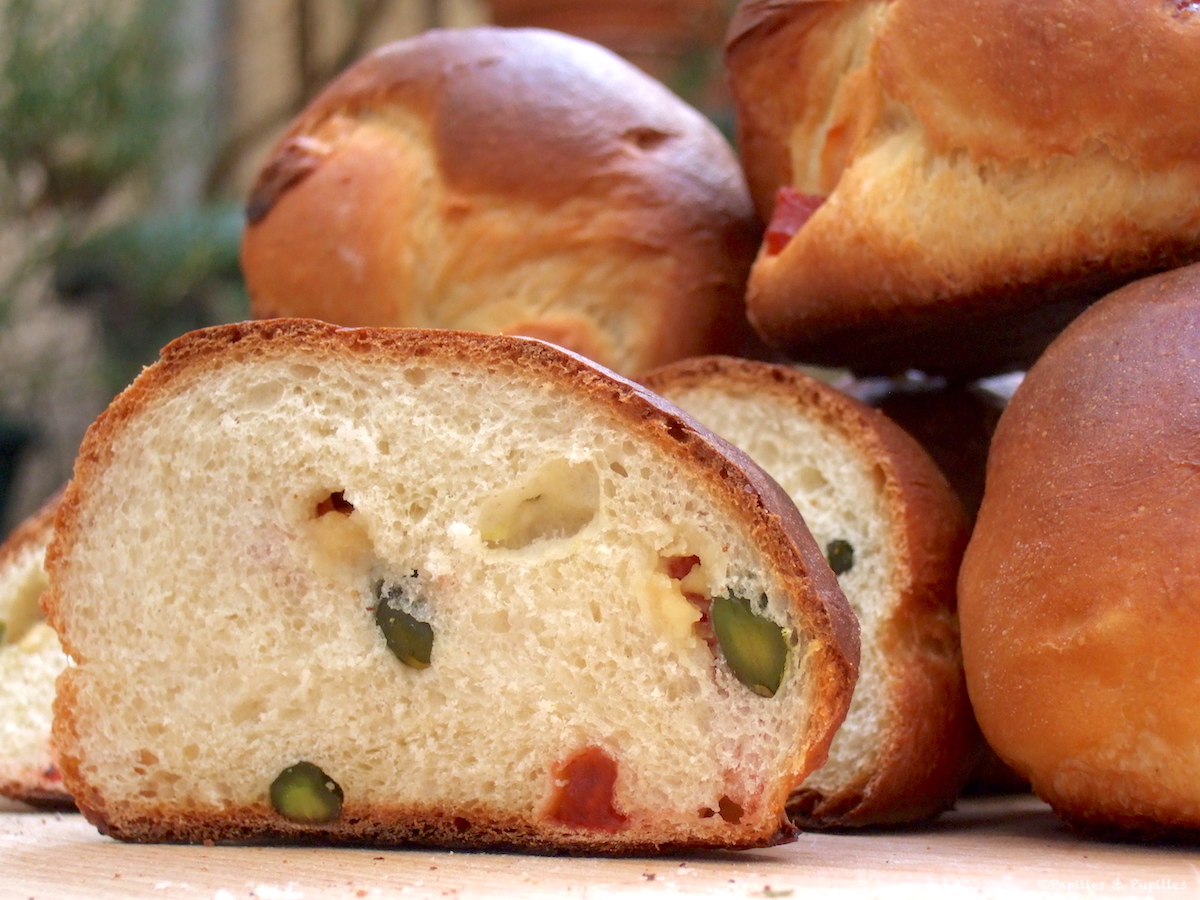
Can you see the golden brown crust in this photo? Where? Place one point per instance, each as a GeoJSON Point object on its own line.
{"type": "Point", "coordinates": [932, 742]}
{"type": "Point", "coordinates": [1051, 77]}
{"type": "Point", "coordinates": [771, 521]}
{"type": "Point", "coordinates": [489, 179]}
{"type": "Point", "coordinates": [1078, 591]}
{"type": "Point", "coordinates": [977, 198]}
{"type": "Point", "coordinates": [380, 826]}
{"type": "Point", "coordinates": [1010, 81]}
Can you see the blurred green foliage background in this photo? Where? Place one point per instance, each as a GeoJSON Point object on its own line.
{"type": "Point", "coordinates": [96, 258]}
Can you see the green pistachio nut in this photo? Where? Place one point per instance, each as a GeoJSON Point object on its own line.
{"type": "Point", "coordinates": [840, 554]}
{"type": "Point", "coordinates": [306, 795]}
{"type": "Point", "coordinates": [754, 647]}
{"type": "Point", "coordinates": [409, 639]}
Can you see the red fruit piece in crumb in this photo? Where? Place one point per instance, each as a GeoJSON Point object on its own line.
{"type": "Point", "coordinates": [703, 626]}
{"type": "Point", "coordinates": [679, 567]}
{"type": "Point", "coordinates": [792, 210]}
{"type": "Point", "coordinates": [586, 798]}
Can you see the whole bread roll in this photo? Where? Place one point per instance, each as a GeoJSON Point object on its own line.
{"type": "Point", "coordinates": [30, 660]}
{"type": "Point", "coordinates": [894, 532]}
{"type": "Point", "coordinates": [510, 181]}
{"type": "Point", "coordinates": [952, 182]}
{"type": "Point", "coordinates": [390, 586]}
{"type": "Point", "coordinates": [1080, 589]}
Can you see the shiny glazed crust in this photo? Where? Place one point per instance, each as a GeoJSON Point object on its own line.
{"type": "Point", "coordinates": [1080, 589]}
{"type": "Point", "coordinates": [507, 181]}
{"type": "Point", "coordinates": [977, 197]}
{"type": "Point", "coordinates": [39, 784]}
{"type": "Point", "coordinates": [930, 741]}
{"type": "Point", "coordinates": [769, 518]}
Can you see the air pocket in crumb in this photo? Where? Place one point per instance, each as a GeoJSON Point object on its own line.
{"type": "Point", "coordinates": [553, 502]}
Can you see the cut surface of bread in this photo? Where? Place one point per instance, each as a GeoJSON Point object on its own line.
{"type": "Point", "coordinates": [894, 531]}
{"type": "Point", "coordinates": [30, 660]}
{"type": "Point", "coordinates": [512, 181]}
{"type": "Point", "coordinates": [1080, 588]}
{"type": "Point", "coordinates": [409, 586]}
{"type": "Point", "coordinates": [953, 211]}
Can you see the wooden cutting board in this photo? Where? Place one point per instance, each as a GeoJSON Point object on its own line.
{"type": "Point", "coordinates": [1000, 847]}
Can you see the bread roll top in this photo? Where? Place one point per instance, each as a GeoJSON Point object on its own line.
{"type": "Point", "coordinates": [514, 181]}
{"type": "Point", "coordinates": [1010, 82]}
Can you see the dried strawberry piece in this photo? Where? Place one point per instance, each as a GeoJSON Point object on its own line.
{"type": "Point", "coordinates": [679, 567]}
{"type": "Point", "coordinates": [703, 628]}
{"type": "Point", "coordinates": [792, 210]}
{"type": "Point", "coordinates": [586, 799]}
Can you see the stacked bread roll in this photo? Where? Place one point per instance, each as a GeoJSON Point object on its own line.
{"type": "Point", "coordinates": [950, 183]}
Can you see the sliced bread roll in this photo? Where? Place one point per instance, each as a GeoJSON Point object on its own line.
{"type": "Point", "coordinates": [894, 531]}
{"type": "Point", "coordinates": [30, 660]}
{"type": "Point", "coordinates": [387, 586]}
